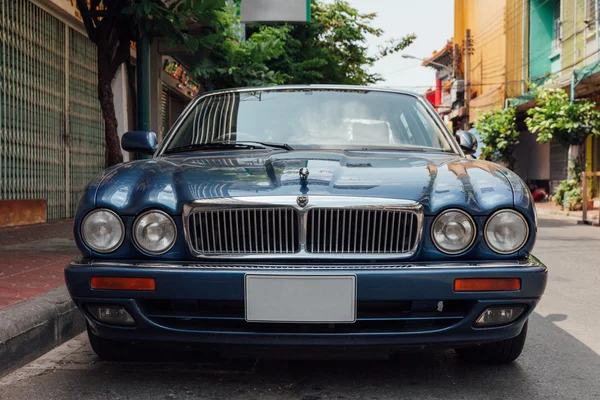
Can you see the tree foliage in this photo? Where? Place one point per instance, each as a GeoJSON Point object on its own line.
{"type": "Point", "coordinates": [233, 62]}
{"type": "Point", "coordinates": [556, 118]}
{"type": "Point", "coordinates": [499, 134]}
{"type": "Point", "coordinates": [330, 49]}
{"type": "Point", "coordinates": [113, 24]}
{"type": "Point", "coordinates": [568, 193]}
{"type": "Point", "coordinates": [569, 123]}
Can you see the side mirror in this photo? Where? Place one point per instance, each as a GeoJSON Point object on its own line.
{"type": "Point", "coordinates": [467, 142]}
{"type": "Point", "coordinates": [139, 142]}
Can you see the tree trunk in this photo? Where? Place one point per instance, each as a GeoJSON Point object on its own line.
{"type": "Point", "coordinates": [131, 82]}
{"type": "Point", "coordinates": [576, 163]}
{"type": "Point", "coordinates": [113, 153]}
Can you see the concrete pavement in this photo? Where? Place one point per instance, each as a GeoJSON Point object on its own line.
{"type": "Point", "coordinates": [561, 359]}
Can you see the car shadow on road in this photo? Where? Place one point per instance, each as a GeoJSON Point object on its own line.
{"type": "Point", "coordinates": [553, 365]}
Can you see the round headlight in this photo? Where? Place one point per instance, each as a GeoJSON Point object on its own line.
{"type": "Point", "coordinates": [506, 232]}
{"type": "Point", "coordinates": [154, 232]}
{"type": "Point", "coordinates": [102, 231]}
{"type": "Point", "coordinates": [453, 231]}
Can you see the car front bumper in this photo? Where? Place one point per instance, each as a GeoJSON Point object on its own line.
{"type": "Point", "coordinates": [400, 303]}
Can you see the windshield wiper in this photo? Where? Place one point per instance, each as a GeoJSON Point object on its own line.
{"type": "Point", "coordinates": [214, 146]}
{"type": "Point", "coordinates": [283, 146]}
{"type": "Point", "coordinates": [247, 145]}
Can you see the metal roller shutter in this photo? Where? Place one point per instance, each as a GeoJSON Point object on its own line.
{"type": "Point", "coordinates": [51, 128]}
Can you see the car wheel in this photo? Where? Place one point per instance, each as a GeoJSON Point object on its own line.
{"type": "Point", "coordinates": [110, 350]}
{"type": "Point", "coordinates": [503, 352]}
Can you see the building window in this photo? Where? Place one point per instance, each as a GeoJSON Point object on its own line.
{"type": "Point", "coordinates": [556, 28]}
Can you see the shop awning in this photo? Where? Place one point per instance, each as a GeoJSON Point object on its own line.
{"type": "Point", "coordinates": [521, 100]}
{"type": "Point", "coordinates": [585, 79]}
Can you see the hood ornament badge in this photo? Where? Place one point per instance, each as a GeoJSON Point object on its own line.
{"type": "Point", "coordinates": [303, 172]}
{"type": "Point", "coordinates": [302, 201]}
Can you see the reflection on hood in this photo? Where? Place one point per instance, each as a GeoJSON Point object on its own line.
{"type": "Point", "coordinates": [437, 180]}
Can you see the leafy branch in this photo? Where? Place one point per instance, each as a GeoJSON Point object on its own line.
{"type": "Point", "coordinates": [499, 134]}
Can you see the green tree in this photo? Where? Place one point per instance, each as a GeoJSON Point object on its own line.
{"type": "Point", "coordinates": [113, 24]}
{"type": "Point", "coordinates": [499, 134]}
{"type": "Point", "coordinates": [556, 118]}
{"type": "Point", "coordinates": [232, 62]}
{"type": "Point", "coordinates": [330, 49]}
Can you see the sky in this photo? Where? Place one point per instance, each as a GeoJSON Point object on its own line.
{"type": "Point", "coordinates": [433, 23]}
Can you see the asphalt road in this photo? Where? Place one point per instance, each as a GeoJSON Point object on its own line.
{"type": "Point", "coordinates": [561, 359]}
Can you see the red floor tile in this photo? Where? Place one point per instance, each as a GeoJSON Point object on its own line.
{"type": "Point", "coordinates": [26, 272]}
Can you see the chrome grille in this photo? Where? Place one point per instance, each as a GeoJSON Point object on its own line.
{"type": "Point", "coordinates": [272, 227]}
{"type": "Point", "coordinates": [245, 231]}
{"type": "Point", "coordinates": [335, 230]}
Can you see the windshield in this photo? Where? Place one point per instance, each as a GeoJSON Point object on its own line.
{"type": "Point", "coordinates": [303, 118]}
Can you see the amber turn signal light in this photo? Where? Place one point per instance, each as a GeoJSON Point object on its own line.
{"type": "Point", "coordinates": [486, 284]}
{"type": "Point", "coordinates": [110, 283]}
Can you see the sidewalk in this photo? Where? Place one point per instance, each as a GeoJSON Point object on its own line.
{"type": "Point", "coordinates": [549, 208]}
{"type": "Point", "coordinates": [32, 259]}
{"type": "Point", "coordinates": [36, 311]}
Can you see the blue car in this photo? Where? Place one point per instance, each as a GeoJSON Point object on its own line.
{"type": "Point", "coordinates": [307, 218]}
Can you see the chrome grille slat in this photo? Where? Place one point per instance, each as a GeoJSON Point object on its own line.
{"type": "Point", "coordinates": [343, 227]}
{"type": "Point", "coordinates": [387, 224]}
{"type": "Point", "coordinates": [318, 230]}
{"type": "Point", "coordinates": [369, 231]}
{"type": "Point", "coordinates": [287, 243]}
{"type": "Point", "coordinates": [280, 239]}
{"type": "Point", "coordinates": [262, 232]}
{"type": "Point", "coordinates": [293, 218]}
{"type": "Point", "coordinates": [355, 232]}
{"type": "Point", "coordinates": [237, 223]}
{"type": "Point", "coordinates": [404, 234]}
{"type": "Point", "coordinates": [195, 233]}
{"type": "Point", "coordinates": [362, 229]}
{"type": "Point", "coordinates": [400, 224]}
{"type": "Point", "coordinates": [330, 229]}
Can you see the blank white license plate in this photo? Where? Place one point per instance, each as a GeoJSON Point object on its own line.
{"type": "Point", "coordinates": [300, 298]}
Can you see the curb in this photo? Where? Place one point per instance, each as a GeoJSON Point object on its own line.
{"type": "Point", "coordinates": [562, 214]}
{"type": "Point", "coordinates": [34, 327]}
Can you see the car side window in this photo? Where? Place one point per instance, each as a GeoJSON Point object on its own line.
{"type": "Point", "coordinates": [406, 129]}
{"type": "Point", "coordinates": [185, 133]}
{"type": "Point", "coordinates": [428, 128]}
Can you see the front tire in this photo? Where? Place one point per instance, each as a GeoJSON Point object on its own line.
{"type": "Point", "coordinates": [110, 350]}
{"type": "Point", "coordinates": [503, 352]}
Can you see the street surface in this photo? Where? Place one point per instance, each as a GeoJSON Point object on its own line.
{"type": "Point", "coordinates": [561, 359]}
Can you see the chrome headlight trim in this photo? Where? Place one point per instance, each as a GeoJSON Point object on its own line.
{"type": "Point", "coordinates": [134, 236]}
{"type": "Point", "coordinates": [94, 248]}
{"type": "Point", "coordinates": [432, 233]}
{"type": "Point", "coordinates": [527, 231]}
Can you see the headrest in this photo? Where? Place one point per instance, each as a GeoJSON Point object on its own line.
{"type": "Point", "coordinates": [376, 133]}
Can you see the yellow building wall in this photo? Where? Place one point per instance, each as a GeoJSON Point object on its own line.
{"type": "Point", "coordinates": [573, 35]}
{"type": "Point", "coordinates": [497, 59]}
{"type": "Point", "coordinates": [517, 47]}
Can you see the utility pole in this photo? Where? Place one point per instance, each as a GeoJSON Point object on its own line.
{"type": "Point", "coordinates": [468, 53]}
{"type": "Point", "coordinates": [143, 84]}
{"type": "Point", "coordinates": [143, 81]}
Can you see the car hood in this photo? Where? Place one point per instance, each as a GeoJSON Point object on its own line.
{"type": "Point", "coordinates": [436, 180]}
